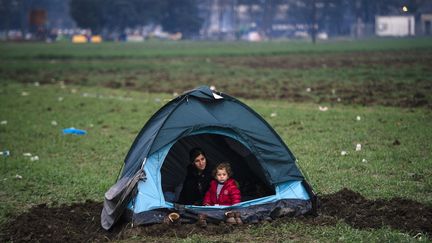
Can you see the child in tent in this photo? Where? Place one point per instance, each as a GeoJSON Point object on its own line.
{"type": "Point", "coordinates": [223, 191]}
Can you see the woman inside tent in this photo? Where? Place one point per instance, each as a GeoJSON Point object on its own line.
{"type": "Point", "coordinates": [197, 180]}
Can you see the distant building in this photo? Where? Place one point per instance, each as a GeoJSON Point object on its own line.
{"type": "Point", "coordinates": [399, 26]}
{"type": "Point", "coordinates": [426, 24]}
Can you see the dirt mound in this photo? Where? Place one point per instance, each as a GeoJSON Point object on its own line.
{"type": "Point", "coordinates": [80, 222]}
{"type": "Point", "coordinates": [398, 213]}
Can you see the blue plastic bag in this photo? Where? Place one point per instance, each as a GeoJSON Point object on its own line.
{"type": "Point", "coordinates": [75, 131]}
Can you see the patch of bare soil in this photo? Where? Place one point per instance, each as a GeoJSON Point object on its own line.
{"type": "Point", "coordinates": [401, 214]}
{"type": "Point", "coordinates": [80, 222]}
{"type": "Point", "coordinates": [331, 60]}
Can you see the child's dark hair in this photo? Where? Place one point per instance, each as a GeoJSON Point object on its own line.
{"type": "Point", "coordinates": [195, 152]}
{"type": "Point", "coordinates": [223, 166]}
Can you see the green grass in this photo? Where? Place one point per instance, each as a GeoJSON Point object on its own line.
{"type": "Point", "coordinates": [150, 49]}
{"type": "Point", "coordinates": [76, 168]}
{"type": "Point", "coordinates": [381, 71]}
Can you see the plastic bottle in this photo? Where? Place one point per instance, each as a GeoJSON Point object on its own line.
{"type": "Point", "coordinates": [5, 153]}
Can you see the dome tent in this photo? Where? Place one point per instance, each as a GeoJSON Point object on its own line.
{"type": "Point", "coordinates": [228, 130]}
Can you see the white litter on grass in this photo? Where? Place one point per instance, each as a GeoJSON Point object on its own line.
{"type": "Point", "coordinates": [27, 154]}
{"type": "Point", "coordinates": [73, 91]}
{"type": "Point", "coordinates": [339, 99]}
{"type": "Point", "coordinates": [5, 153]}
{"type": "Point", "coordinates": [212, 87]}
{"type": "Point", "coordinates": [60, 99]}
{"type": "Point", "coordinates": [62, 85]}
{"type": "Point", "coordinates": [18, 177]}
{"type": "Point", "coordinates": [308, 90]}
{"type": "Point", "coordinates": [358, 118]}
{"type": "Point", "coordinates": [323, 108]}
{"type": "Point", "coordinates": [34, 158]}
{"type": "Point", "coordinates": [333, 91]}
{"type": "Point", "coordinates": [274, 114]}
{"type": "Point", "coordinates": [175, 94]}
{"type": "Point", "coordinates": [4, 122]}
{"type": "Point", "coordinates": [91, 125]}
{"type": "Point", "coordinates": [358, 147]}
{"type": "Point", "coordinates": [24, 93]}
{"type": "Point", "coordinates": [343, 152]}
{"type": "Point", "coordinates": [54, 123]}
{"type": "Point", "coordinates": [36, 84]}
{"type": "Point", "coordinates": [364, 161]}
{"type": "Point", "coordinates": [99, 96]}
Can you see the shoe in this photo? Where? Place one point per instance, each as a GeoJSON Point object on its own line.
{"type": "Point", "coordinates": [202, 220]}
{"type": "Point", "coordinates": [230, 218]}
{"type": "Point", "coordinates": [237, 217]}
{"type": "Point", "coordinates": [172, 218]}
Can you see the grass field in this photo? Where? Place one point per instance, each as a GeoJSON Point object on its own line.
{"type": "Point", "coordinates": [378, 94]}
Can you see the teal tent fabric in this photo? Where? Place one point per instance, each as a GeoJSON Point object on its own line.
{"type": "Point", "coordinates": [203, 114]}
{"type": "Point", "coordinates": [198, 109]}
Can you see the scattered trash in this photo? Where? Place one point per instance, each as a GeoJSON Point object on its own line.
{"type": "Point", "coordinates": [36, 84]}
{"type": "Point", "coordinates": [75, 131]}
{"type": "Point", "coordinates": [5, 153]}
{"type": "Point", "coordinates": [91, 125]}
{"type": "Point", "coordinates": [99, 96]}
{"type": "Point", "coordinates": [54, 123]}
{"type": "Point", "coordinates": [396, 142]}
{"type": "Point", "coordinates": [73, 91]}
{"type": "Point", "coordinates": [308, 90]}
{"type": "Point", "coordinates": [358, 118]}
{"type": "Point", "coordinates": [60, 99]}
{"type": "Point", "coordinates": [27, 154]}
{"type": "Point", "coordinates": [364, 161]}
{"type": "Point", "coordinates": [274, 114]}
{"type": "Point", "coordinates": [323, 108]}
{"type": "Point", "coordinates": [4, 122]}
{"type": "Point", "coordinates": [18, 177]}
{"type": "Point", "coordinates": [333, 91]}
{"type": "Point", "coordinates": [358, 147]}
{"type": "Point", "coordinates": [212, 87]}
{"type": "Point", "coordinates": [24, 93]}
{"type": "Point", "coordinates": [34, 158]}
{"type": "Point", "coordinates": [343, 152]}
{"type": "Point", "coordinates": [339, 99]}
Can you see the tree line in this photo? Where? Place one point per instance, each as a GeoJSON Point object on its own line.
{"type": "Point", "coordinates": [188, 16]}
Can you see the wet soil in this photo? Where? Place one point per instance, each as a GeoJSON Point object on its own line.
{"type": "Point", "coordinates": [80, 222]}
{"type": "Point", "coordinates": [404, 80]}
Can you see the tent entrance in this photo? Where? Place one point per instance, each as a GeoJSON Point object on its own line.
{"type": "Point", "coordinates": [218, 148]}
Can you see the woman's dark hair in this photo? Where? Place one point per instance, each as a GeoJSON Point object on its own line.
{"type": "Point", "coordinates": [195, 152]}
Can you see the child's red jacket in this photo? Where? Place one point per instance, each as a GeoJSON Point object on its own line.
{"type": "Point", "coordinates": [229, 195]}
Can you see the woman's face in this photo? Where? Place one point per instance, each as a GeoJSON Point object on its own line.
{"type": "Point", "coordinates": [200, 162]}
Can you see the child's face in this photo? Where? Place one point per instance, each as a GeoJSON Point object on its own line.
{"type": "Point", "coordinates": [221, 176]}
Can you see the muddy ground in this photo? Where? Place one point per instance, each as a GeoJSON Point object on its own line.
{"type": "Point", "coordinates": [79, 222]}
{"type": "Point", "coordinates": [391, 78]}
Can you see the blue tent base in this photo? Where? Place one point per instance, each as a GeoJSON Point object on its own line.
{"type": "Point", "coordinates": [250, 214]}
